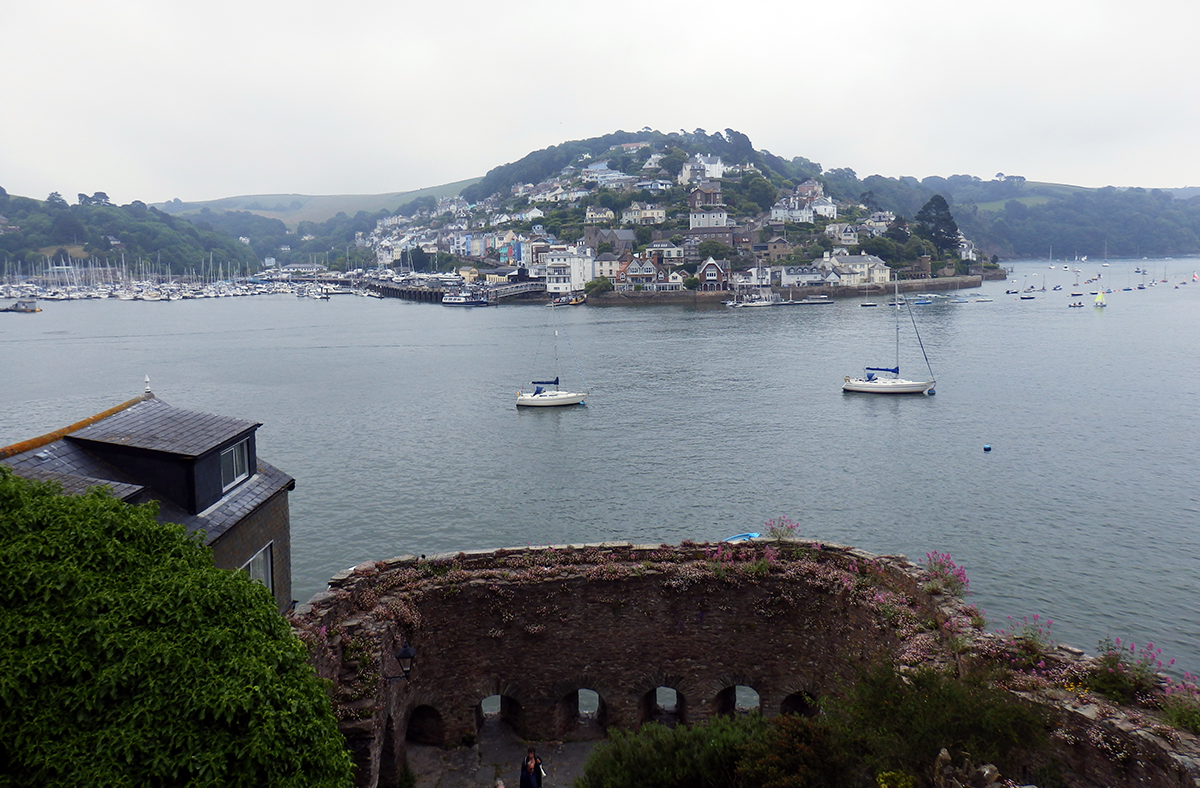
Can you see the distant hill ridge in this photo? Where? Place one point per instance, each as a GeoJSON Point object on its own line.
{"type": "Point", "coordinates": [291, 209]}
{"type": "Point", "coordinates": [1005, 215]}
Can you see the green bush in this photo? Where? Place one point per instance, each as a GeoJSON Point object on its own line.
{"type": "Point", "coordinates": [900, 722]}
{"type": "Point", "coordinates": [793, 752]}
{"type": "Point", "coordinates": [1123, 674]}
{"type": "Point", "coordinates": [655, 756]}
{"type": "Point", "coordinates": [1181, 703]}
{"type": "Point", "coordinates": [127, 658]}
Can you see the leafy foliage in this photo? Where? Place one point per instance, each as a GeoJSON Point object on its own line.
{"type": "Point", "coordinates": [1122, 672]}
{"type": "Point", "coordinates": [1181, 703]}
{"type": "Point", "coordinates": [886, 730]}
{"type": "Point", "coordinates": [793, 752]}
{"type": "Point", "coordinates": [703, 756]}
{"type": "Point", "coordinates": [127, 658]}
{"type": "Point", "coordinates": [47, 226]}
{"type": "Point", "coordinates": [935, 223]}
{"type": "Point", "coordinates": [900, 722]}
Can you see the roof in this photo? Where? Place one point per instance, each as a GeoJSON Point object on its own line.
{"type": "Point", "coordinates": [149, 423]}
{"type": "Point", "coordinates": [156, 426]}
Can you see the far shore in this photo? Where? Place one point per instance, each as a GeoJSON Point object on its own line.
{"type": "Point", "coordinates": [788, 293]}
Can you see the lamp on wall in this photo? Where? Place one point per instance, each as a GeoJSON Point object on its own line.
{"type": "Point", "coordinates": [405, 656]}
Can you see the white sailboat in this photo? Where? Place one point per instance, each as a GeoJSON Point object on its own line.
{"type": "Point", "coordinates": [546, 393]}
{"type": "Point", "coordinates": [872, 383]}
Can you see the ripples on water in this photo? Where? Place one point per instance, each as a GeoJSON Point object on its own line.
{"type": "Point", "coordinates": [397, 421]}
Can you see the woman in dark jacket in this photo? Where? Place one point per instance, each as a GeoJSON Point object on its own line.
{"type": "Point", "coordinates": [531, 770]}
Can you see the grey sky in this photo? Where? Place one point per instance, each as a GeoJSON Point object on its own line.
{"type": "Point", "coordinates": [152, 100]}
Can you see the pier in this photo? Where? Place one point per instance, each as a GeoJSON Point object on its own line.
{"type": "Point", "coordinates": [434, 294]}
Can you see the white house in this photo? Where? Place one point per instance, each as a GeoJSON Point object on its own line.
{"type": "Point", "coordinates": [712, 216]}
{"type": "Point", "coordinates": [805, 275]}
{"type": "Point", "coordinates": [792, 209]}
{"type": "Point", "coordinates": [568, 269]}
{"type": "Point", "coordinates": [701, 167]}
{"type": "Point", "coordinates": [859, 269]}
{"type": "Point", "coordinates": [668, 252]}
{"type": "Point", "coordinates": [823, 206]}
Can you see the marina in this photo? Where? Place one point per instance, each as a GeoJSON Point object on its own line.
{"type": "Point", "coordinates": [700, 422]}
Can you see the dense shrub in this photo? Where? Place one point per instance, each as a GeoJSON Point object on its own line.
{"type": "Point", "coordinates": [127, 658]}
{"type": "Point", "coordinates": [886, 730]}
{"type": "Point", "coordinates": [793, 752]}
{"type": "Point", "coordinates": [1123, 673]}
{"type": "Point", "coordinates": [702, 756]}
{"type": "Point", "coordinates": [900, 722]}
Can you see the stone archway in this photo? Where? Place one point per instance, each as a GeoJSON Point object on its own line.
{"type": "Point", "coordinates": [737, 699]}
{"type": "Point", "coordinates": [801, 703]}
{"type": "Point", "coordinates": [500, 708]}
{"type": "Point", "coordinates": [665, 705]}
{"type": "Point", "coordinates": [426, 726]}
{"type": "Point", "coordinates": [581, 714]}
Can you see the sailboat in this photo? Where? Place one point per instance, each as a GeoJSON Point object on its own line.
{"type": "Point", "coordinates": [1099, 302]}
{"type": "Point", "coordinates": [871, 383]}
{"type": "Point", "coordinates": [546, 393]}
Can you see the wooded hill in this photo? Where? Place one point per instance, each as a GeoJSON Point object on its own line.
{"type": "Point", "coordinates": [35, 232]}
{"type": "Point", "coordinates": [1007, 215]}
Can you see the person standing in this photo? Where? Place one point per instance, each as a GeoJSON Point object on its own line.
{"type": "Point", "coordinates": [531, 770]}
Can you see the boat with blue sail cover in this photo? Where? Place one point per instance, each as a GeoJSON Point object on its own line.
{"type": "Point", "coordinates": [543, 397]}
{"type": "Point", "coordinates": [872, 382]}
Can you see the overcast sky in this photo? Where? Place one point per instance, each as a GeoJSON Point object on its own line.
{"type": "Point", "coordinates": [150, 100]}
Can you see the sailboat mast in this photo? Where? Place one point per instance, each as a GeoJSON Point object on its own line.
{"type": "Point", "coordinates": [897, 300]}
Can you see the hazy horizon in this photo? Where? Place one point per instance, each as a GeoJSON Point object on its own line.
{"type": "Point", "coordinates": [202, 102]}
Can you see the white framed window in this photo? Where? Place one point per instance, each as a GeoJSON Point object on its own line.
{"type": "Point", "coordinates": [260, 568]}
{"type": "Point", "coordinates": [235, 465]}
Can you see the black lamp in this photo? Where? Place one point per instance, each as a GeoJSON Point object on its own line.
{"type": "Point", "coordinates": [405, 656]}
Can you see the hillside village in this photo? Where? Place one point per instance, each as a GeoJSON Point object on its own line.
{"type": "Point", "coordinates": [645, 227]}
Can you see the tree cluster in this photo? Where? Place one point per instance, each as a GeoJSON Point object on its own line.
{"type": "Point", "coordinates": [53, 229]}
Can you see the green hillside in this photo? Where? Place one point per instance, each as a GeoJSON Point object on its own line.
{"type": "Point", "coordinates": [291, 209]}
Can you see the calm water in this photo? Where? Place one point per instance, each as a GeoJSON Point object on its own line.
{"type": "Point", "coordinates": [397, 421]}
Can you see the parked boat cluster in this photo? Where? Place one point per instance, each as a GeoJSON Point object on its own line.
{"type": "Point", "coordinates": [176, 291]}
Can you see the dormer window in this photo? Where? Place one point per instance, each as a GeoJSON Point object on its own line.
{"type": "Point", "coordinates": [234, 465]}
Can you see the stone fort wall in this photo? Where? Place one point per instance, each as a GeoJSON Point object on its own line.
{"type": "Point", "coordinates": [790, 621]}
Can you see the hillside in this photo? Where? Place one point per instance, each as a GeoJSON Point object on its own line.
{"type": "Point", "coordinates": [291, 209]}
{"type": "Point", "coordinates": [36, 233]}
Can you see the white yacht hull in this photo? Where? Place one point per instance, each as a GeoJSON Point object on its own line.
{"type": "Point", "coordinates": [887, 385]}
{"type": "Point", "coordinates": [550, 399]}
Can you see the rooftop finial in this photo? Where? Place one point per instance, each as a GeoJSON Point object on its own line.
{"type": "Point", "coordinates": [147, 384]}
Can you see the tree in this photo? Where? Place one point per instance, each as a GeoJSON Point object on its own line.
{"type": "Point", "coordinates": [760, 191]}
{"type": "Point", "coordinates": [935, 223]}
{"type": "Point", "coordinates": [55, 200]}
{"type": "Point", "coordinates": [600, 284]}
{"type": "Point", "coordinates": [66, 228]}
{"type": "Point", "coordinates": [127, 658]}
{"type": "Point", "coordinates": [714, 249]}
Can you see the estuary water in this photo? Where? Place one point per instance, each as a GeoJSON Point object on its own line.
{"type": "Point", "coordinates": [398, 422]}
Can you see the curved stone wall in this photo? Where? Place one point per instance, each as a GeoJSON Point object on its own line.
{"type": "Point", "coordinates": [788, 620]}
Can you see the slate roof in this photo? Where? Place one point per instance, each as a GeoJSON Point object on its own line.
{"type": "Point", "coordinates": [147, 423]}
{"type": "Point", "coordinates": [156, 426]}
